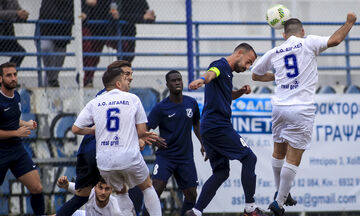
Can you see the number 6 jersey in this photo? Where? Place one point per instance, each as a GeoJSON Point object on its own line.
{"type": "Point", "coordinates": [295, 66]}
{"type": "Point", "coordinates": [115, 115]}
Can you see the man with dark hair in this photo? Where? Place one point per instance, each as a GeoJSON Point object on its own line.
{"type": "Point", "coordinates": [120, 122]}
{"type": "Point", "coordinates": [222, 143]}
{"type": "Point", "coordinates": [293, 110]}
{"type": "Point", "coordinates": [100, 202]}
{"type": "Point", "coordinates": [10, 10]}
{"type": "Point", "coordinates": [176, 115]}
{"type": "Point", "coordinates": [13, 155]}
{"type": "Point", "coordinates": [87, 173]}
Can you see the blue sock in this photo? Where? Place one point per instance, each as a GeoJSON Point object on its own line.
{"type": "Point", "coordinates": [248, 177]}
{"type": "Point", "coordinates": [187, 205]}
{"type": "Point", "coordinates": [72, 205]}
{"type": "Point", "coordinates": [37, 203]}
{"type": "Point", "coordinates": [210, 187]}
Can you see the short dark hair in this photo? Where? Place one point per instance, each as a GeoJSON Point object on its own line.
{"type": "Point", "coordinates": [110, 75]}
{"type": "Point", "coordinates": [6, 65]}
{"type": "Point", "coordinates": [119, 64]}
{"type": "Point", "coordinates": [102, 181]}
{"type": "Point", "coordinates": [169, 73]}
{"type": "Point", "coordinates": [292, 26]}
{"type": "Point", "coordinates": [245, 46]}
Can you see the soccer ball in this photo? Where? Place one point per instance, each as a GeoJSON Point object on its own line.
{"type": "Point", "coordinates": [277, 15]}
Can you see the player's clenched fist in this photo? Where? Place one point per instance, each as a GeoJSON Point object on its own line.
{"type": "Point", "coordinates": [63, 182]}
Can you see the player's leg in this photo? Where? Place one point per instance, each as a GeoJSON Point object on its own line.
{"type": "Point", "coordinates": [125, 204]}
{"type": "Point", "coordinates": [288, 173]}
{"type": "Point", "coordinates": [25, 170]}
{"type": "Point", "coordinates": [31, 180]}
{"type": "Point", "coordinates": [221, 169]}
{"type": "Point", "coordinates": [186, 178]}
{"type": "Point", "coordinates": [277, 161]}
{"type": "Point", "coordinates": [163, 169]}
{"type": "Point", "coordinates": [87, 176]}
{"type": "Point", "coordinates": [151, 199]}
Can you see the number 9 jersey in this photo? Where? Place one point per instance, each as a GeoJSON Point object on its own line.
{"type": "Point", "coordinates": [295, 67]}
{"type": "Point", "coordinates": [115, 115]}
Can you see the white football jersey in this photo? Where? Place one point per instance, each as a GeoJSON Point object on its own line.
{"type": "Point", "coordinates": [115, 115]}
{"type": "Point", "coordinates": [91, 208]}
{"type": "Point", "coordinates": [295, 67]}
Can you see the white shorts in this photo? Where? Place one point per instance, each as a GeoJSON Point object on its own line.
{"type": "Point", "coordinates": [293, 124]}
{"type": "Point", "coordinates": [131, 176]}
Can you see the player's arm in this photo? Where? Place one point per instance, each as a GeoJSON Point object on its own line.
{"type": "Point", "coordinates": [31, 124]}
{"type": "Point", "coordinates": [64, 183]}
{"type": "Point", "coordinates": [268, 76]}
{"type": "Point", "coordinates": [83, 131]}
{"type": "Point", "coordinates": [23, 131]}
{"type": "Point", "coordinates": [341, 33]}
{"type": "Point", "coordinates": [238, 93]}
{"type": "Point", "coordinates": [148, 137]}
{"type": "Point", "coordinates": [260, 71]}
{"type": "Point", "coordinates": [211, 74]}
{"type": "Point", "coordinates": [196, 126]}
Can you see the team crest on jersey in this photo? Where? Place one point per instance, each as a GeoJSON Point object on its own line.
{"type": "Point", "coordinates": [19, 106]}
{"type": "Point", "coordinates": [189, 112]}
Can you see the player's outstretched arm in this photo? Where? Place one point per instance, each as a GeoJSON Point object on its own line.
{"type": "Point", "coordinates": [205, 79]}
{"type": "Point", "coordinates": [341, 33]}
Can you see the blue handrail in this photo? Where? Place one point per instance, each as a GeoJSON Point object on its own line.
{"type": "Point", "coordinates": [195, 40]}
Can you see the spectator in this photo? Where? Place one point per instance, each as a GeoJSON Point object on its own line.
{"type": "Point", "coordinates": [10, 10]}
{"type": "Point", "coordinates": [94, 10]}
{"type": "Point", "coordinates": [55, 10]}
{"type": "Point", "coordinates": [135, 11]}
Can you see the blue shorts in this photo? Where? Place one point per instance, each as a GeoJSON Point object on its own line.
{"type": "Point", "coordinates": [87, 173]}
{"type": "Point", "coordinates": [184, 171]}
{"type": "Point", "coordinates": [17, 160]}
{"type": "Point", "coordinates": [222, 145]}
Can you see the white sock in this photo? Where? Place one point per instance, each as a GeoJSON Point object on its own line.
{"type": "Point", "coordinates": [125, 204]}
{"type": "Point", "coordinates": [288, 173]}
{"type": "Point", "coordinates": [276, 166]}
{"type": "Point", "coordinates": [250, 207]}
{"type": "Point", "coordinates": [152, 202]}
{"type": "Point", "coordinates": [197, 212]}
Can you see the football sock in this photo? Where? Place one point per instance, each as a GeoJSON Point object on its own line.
{"type": "Point", "coordinates": [152, 202]}
{"type": "Point", "coordinates": [37, 203]}
{"type": "Point", "coordinates": [72, 205]}
{"type": "Point", "coordinates": [288, 173]}
{"type": "Point", "coordinates": [276, 166]}
{"type": "Point", "coordinates": [125, 204]}
{"type": "Point", "coordinates": [248, 177]}
{"type": "Point", "coordinates": [210, 187]}
{"type": "Point", "coordinates": [187, 205]}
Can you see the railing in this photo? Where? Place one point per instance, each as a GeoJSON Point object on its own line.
{"type": "Point", "coordinates": [196, 52]}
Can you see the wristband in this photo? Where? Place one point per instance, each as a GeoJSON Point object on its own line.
{"type": "Point", "coordinates": [203, 78]}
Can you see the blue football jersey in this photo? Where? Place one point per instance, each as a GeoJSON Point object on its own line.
{"type": "Point", "coordinates": [175, 122]}
{"type": "Point", "coordinates": [218, 98]}
{"type": "Point", "coordinates": [10, 111]}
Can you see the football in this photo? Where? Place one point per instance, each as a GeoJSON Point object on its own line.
{"type": "Point", "coordinates": [277, 15]}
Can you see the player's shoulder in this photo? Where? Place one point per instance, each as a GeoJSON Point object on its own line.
{"type": "Point", "coordinates": [188, 98]}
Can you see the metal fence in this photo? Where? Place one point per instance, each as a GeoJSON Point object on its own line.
{"type": "Point", "coordinates": [54, 59]}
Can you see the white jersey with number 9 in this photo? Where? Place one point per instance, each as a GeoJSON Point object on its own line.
{"type": "Point", "coordinates": [295, 67]}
